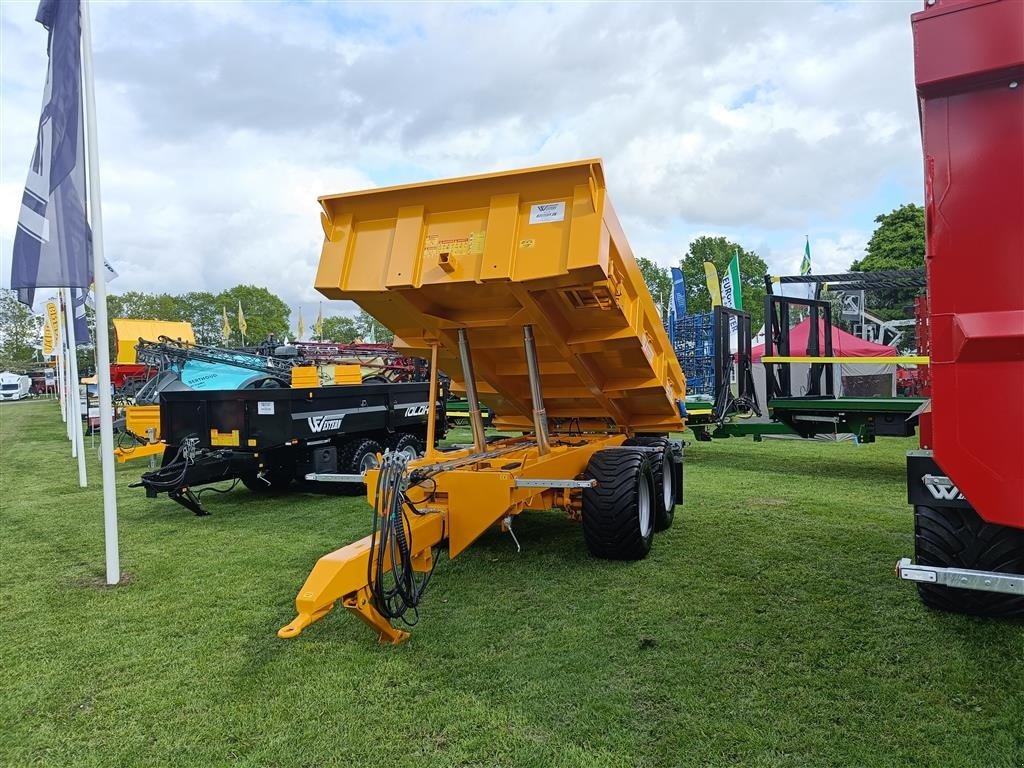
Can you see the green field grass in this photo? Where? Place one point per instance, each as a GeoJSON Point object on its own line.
{"type": "Point", "coordinates": [765, 628]}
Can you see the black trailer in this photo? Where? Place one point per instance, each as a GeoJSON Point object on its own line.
{"type": "Point", "coordinates": [270, 438]}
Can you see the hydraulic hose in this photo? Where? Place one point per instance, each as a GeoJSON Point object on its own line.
{"type": "Point", "coordinates": [396, 589]}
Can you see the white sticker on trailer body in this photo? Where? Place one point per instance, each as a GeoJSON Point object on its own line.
{"type": "Point", "coordinates": [265, 408]}
{"type": "Point", "coordinates": [543, 213]}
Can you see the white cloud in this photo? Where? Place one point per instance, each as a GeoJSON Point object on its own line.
{"type": "Point", "coordinates": [222, 122]}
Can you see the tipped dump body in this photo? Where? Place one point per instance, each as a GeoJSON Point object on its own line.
{"type": "Point", "coordinates": [493, 253]}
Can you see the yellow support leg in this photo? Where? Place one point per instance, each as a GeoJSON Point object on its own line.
{"type": "Point", "coordinates": [361, 604]}
{"type": "Point", "coordinates": [341, 575]}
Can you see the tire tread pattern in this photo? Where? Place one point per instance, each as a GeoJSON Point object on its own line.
{"type": "Point", "coordinates": [659, 461]}
{"type": "Point", "coordinates": [611, 526]}
{"type": "Point", "coordinates": [958, 538]}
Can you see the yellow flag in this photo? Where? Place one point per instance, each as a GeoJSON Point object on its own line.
{"type": "Point", "coordinates": [241, 320]}
{"type": "Point", "coordinates": [225, 331]}
{"type": "Point", "coordinates": [318, 327]}
{"type": "Point", "coordinates": [713, 286]}
{"type": "Point", "coordinates": [53, 313]}
{"type": "Point", "coordinates": [47, 339]}
{"type": "Point", "coordinates": [302, 325]}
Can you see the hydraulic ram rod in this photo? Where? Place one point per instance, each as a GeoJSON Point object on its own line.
{"type": "Point", "coordinates": [475, 419]}
{"type": "Point", "coordinates": [540, 415]}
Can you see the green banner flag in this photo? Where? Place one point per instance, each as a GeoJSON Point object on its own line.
{"type": "Point", "coordinates": [732, 292]}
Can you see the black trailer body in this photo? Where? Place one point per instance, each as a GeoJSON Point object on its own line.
{"type": "Point", "coordinates": [269, 438]}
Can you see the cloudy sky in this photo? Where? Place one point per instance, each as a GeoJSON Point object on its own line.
{"type": "Point", "coordinates": [221, 122]}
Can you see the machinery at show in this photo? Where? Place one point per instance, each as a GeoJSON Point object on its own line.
{"type": "Point", "coordinates": [967, 481]}
{"type": "Point", "coordinates": [268, 438]}
{"type": "Point", "coordinates": [797, 382]}
{"type": "Point", "coordinates": [176, 364]}
{"type": "Point", "coordinates": [522, 287]}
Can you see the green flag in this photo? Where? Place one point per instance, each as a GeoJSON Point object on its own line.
{"type": "Point", "coordinates": [805, 265]}
{"type": "Point", "coordinates": [732, 293]}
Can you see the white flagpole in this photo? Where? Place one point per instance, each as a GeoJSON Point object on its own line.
{"type": "Point", "coordinates": [58, 344]}
{"type": "Point", "coordinates": [76, 404]}
{"type": "Point", "coordinates": [67, 386]}
{"type": "Point", "coordinates": [67, 378]}
{"type": "Point", "coordinates": [102, 341]}
{"type": "Point", "coordinates": [66, 381]}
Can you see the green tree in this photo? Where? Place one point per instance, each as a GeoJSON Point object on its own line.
{"type": "Point", "coordinates": [19, 332]}
{"type": "Point", "coordinates": [264, 312]}
{"type": "Point", "coordinates": [898, 242]}
{"type": "Point", "coordinates": [340, 329]}
{"type": "Point", "coordinates": [371, 329]}
{"type": "Point", "coordinates": [719, 251]}
{"type": "Point", "coordinates": [658, 280]}
{"type": "Point", "coordinates": [202, 310]}
{"type": "Point", "coordinates": [136, 305]}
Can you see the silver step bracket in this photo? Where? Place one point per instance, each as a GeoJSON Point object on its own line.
{"type": "Point", "coordinates": [961, 578]}
{"type": "Point", "coordinates": [334, 477]}
{"type": "Point", "coordinates": [552, 483]}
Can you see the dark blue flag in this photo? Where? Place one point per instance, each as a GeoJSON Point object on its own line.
{"type": "Point", "coordinates": [53, 244]}
{"type": "Point", "coordinates": [678, 292]}
{"type": "Point", "coordinates": [79, 296]}
{"type": "Point", "coordinates": [673, 321]}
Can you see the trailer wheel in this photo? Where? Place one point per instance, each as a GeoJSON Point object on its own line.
{"type": "Point", "coordinates": [355, 457]}
{"type": "Point", "coordinates": [665, 480]}
{"type": "Point", "coordinates": [618, 515]}
{"type": "Point", "coordinates": [952, 537]}
{"type": "Point", "coordinates": [403, 442]}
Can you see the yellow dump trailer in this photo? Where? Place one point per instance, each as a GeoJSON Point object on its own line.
{"type": "Point", "coordinates": [493, 253]}
{"type": "Point", "coordinates": [522, 287]}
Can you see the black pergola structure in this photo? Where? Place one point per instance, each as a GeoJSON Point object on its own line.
{"type": "Point", "coordinates": [778, 382]}
{"type": "Point", "coordinates": [883, 280]}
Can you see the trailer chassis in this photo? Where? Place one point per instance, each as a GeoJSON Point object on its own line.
{"type": "Point", "coordinates": [455, 496]}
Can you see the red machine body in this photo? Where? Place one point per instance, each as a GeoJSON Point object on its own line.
{"type": "Point", "coordinates": [121, 373]}
{"type": "Point", "coordinates": [969, 66]}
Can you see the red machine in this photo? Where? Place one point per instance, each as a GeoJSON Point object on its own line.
{"type": "Point", "coordinates": [380, 362]}
{"type": "Point", "coordinates": [967, 484]}
{"type": "Point", "coordinates": [128, 378]}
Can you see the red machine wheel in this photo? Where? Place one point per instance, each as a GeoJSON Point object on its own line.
{"type": "Point", "coordinates": [958, 538]}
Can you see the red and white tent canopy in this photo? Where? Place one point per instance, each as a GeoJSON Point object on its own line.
{"type": "Point", "coordinates": [843, 344]}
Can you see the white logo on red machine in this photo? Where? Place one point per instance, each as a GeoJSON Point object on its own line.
{"type": "Point", "coordinates": [325, 423]}
{"type": "Point", "coordinates": [941, 488]}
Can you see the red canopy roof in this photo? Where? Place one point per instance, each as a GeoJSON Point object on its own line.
{"type": "Point", "coordinates": [843, 344]}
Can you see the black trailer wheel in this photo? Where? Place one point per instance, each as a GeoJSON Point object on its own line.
{"type": "Point", "coordinates": [666, 483]}
{"type": "Point", "coordinates": [272, 479]}
{"type": "Point", "coordinates": [618, 514]}
{"type": "Point", "coordinates": [355, 457]}
{"type": "Point", "coordinates": [403, 442]}
{"type": "Point", "coordinates": [952, 537]}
